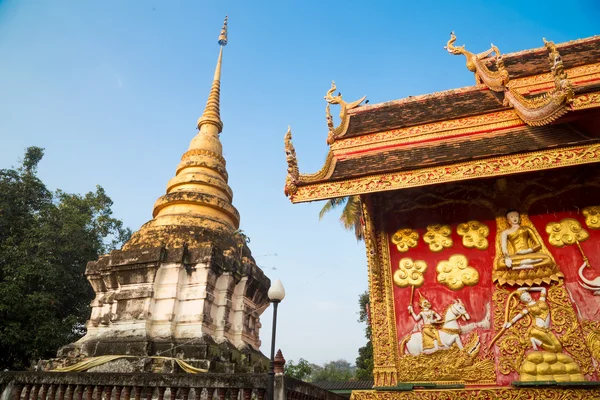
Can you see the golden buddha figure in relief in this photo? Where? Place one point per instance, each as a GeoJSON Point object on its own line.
{"type": "Point", "coordinates": [520, 246]}
{"type": "Point", "coordinates": [521, 256]}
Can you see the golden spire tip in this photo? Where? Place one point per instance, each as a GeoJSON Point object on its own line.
{"type": "Point", "coordinates": [223, 35]}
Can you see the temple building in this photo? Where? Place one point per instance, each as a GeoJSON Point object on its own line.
{"type": "Point", "coordinates": [185, 286]}
{"type": "Point", "coordinates": [481, 214]}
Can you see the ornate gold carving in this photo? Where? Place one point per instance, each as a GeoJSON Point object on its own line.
{"type": "Point", "coordinates": [487, 393]}
{"type": "Point", "coordinates": [591, 100]}
{"type": "Point", "coordinates": [547, 107]}
{"type": "Point", "coordinates": [344, 107]}
{"type": "Point", "coordinates": [292, 171]}
{"type": "Point", "coordinates": [530, 269]}
{"type": "Point", "coordinates": [592, 217]}
{"type": "Point", "coordinates": [383, 332]}
{"type": "Point", "coordinates": [458, 365]}
{"type": "Point", "coordinates": [474, 234]}
{"type": "Point", "coordinates": [535, 83]}
{"type": "Point", "coordinates": [515, 342]}
{"type": "Point", "coordinates": [568, 231]}
{"type": "Point", "coordinates": [476, 63]}
{"type": "Point", "coordinates": [434, 130]}
{"type": "Point", "coordinates": [330, 126]}
{"type": "Point", "coordinates": [438, 237]}
{"type": "Point", "coordinates": [202, 152]}
{"type": "Point", "coordinates": [518, 163]}
{"type": "Point", "coordinates": [456, 273]}
{"type": "Point", "coordinates": [410, 273]}
{"type": "Point", "coordinates": [591, 331]}
{"type": "Point", "coordinates": [405, 238]}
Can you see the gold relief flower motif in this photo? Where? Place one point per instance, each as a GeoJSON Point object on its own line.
{"type": "Point", "coordinates": [410, 273]}
{"type": "Point", "coordinates": [404, 239]}
{"type": "Point", "coordinates": [438, 237]}
{"type": "Point", "coordinates": [592, 217]}
{"type": "Point", "coordinates": [567, 231]}
{"type": "Point", "coordinates": [456, 273]}
{"type": "Point", "coordinates": [474, 234]}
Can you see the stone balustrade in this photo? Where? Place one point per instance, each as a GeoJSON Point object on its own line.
{"type": "Point", "coordinates": [147, 386]}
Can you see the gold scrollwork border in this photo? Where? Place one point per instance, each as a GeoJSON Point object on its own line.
{"type": "Point", "coordinates": [434, 130]}
{"type": "Point", "coordinates": [383, 320]}
{"type": "Point", "coordinates": [488, 393]}
{"type": "Point", "coordinates": [499, 166]}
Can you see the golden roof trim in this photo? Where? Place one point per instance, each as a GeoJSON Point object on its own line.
{"type": "Point", "coordinates": [294, 178]}
{"type": "Point", "coordinates": [428, 131]}
{"type": "Point", "coordinates": [476, 63]}
{"type": "Point", "coordinates": [537, 111]}
{"type": "Point", "coordinates": [495, 166]}
{"type": "Point", "coordinates": [547, 107]}
{"type": "Point", "coordinates": [336, 132]}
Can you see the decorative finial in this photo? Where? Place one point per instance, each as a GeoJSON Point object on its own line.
{"type": "Point", "coordinates": [212, 113]}
{"type": "Point", "coordinates": [293, 174]}
{"type": "Point", "coordinates": [223, 35]}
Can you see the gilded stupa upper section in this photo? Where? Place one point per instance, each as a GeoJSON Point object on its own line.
{"type": "Point", "coordinates": [198, 196]}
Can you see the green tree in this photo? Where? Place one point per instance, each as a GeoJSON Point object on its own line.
{"type": "Point", "coordinates": [351, 216]}
{"type": "Point", "coordinates": [364, 361]}
{"type": "Point", "coordinates": [301, 371]}
{"type": "Point", "coordinates": [46, 239]}
{"type": "Point", "coordinates": [334, 371]}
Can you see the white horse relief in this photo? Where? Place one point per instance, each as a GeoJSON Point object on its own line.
{"type": "Point", "coordinates": [449, 333]}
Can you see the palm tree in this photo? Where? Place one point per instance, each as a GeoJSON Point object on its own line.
{"type": "Point", "coordinates": [351, 217]}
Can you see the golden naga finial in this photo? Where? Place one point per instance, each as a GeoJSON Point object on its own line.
{"type": "Point", "coordinates": [344, 107]}
{"type": "Point", "coordinates": [330, 127]}
{"type": "Point", "coordinates": [547, 107]}
{"type": "Point", "coordinates": [293, 173]}
{"type": "Point", "coordinates": [476, 63]}
{"type": "Point", "coordinates": [561, 81]}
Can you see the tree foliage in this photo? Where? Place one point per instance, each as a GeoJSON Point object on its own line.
{"type": "Point", "coordinates": [46, 239]}
{"type": "Point", "coordinates": [334, 371]}
{"type": "Point", "coordinates": [301, 371]}
{"type": "Point", "coordinates": [351, 216]}
{"type": "Point", "coordinates": [364, 361]}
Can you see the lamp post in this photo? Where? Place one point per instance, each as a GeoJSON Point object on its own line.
{"type": "Point", "coordinates": [276, 294]}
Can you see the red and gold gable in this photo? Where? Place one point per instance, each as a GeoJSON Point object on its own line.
{"type": "Point", "coordinates": [445, 245]}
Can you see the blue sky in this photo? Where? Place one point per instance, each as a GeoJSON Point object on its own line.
{"type": "Point", "coordinates": [112, 90]}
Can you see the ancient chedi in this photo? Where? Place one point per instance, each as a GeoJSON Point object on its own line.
{"type": "Point", "coordinates": [481, 216]}
{"type": "Point", "coordinates": [185, 285]}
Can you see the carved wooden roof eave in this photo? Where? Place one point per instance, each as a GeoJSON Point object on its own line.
{"type": "Point", "coordinates": [470, 170]}
{"type": "Point", "coordinates": [310, 182]}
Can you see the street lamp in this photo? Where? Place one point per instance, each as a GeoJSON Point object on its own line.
{"type": "Point", "coordinates": [276, 293]}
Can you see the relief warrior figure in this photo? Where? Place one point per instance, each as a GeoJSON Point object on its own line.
{"type": "Point", "coordinates": [540, 334]}
{"type": "Point", "coordinates": [431, 338]}
{"type": "Point", "coordinates": [520, 246]}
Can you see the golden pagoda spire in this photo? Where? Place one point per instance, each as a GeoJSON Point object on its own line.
{"type": "Point", "coordinates": [198, 196]}
{"type": "Point", "coordinates": [211, 113]}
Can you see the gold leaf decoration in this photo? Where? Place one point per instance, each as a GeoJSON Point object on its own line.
{"type": "Point", "coordinates": [410, 273]}
{"type": "Point", "coordinates": [567, 231]}
{"type": "Point", "coordinates": [438, 237]}
{"type": "Point", "coordinates": [592, 217]}
{"type": "Point", "coordinates": [474, 234]}
{"type": "Point", "coordinates": [404, 239]}
{"type": "Point", "coordinates": [456, 273]}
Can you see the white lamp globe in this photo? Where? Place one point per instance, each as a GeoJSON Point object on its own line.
{"type": "Point", "coordinates": [276, 291]}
